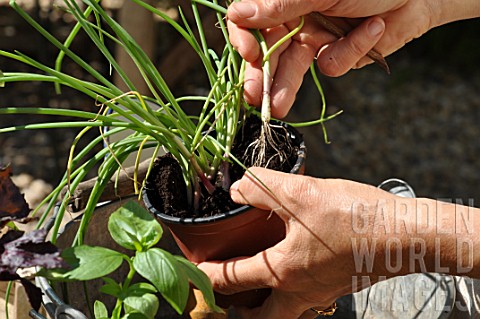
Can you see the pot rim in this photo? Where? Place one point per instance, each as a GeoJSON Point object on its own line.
{"type": "Point", "coordinates": [237, 211]}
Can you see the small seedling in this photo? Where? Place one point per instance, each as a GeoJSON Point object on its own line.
{"type": "Point", "coordinates": [133, 228]}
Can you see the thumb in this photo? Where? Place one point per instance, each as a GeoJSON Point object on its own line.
{"type": "Point", "coordinates": [270, 190]}
{"type": "Point", "coordinates": [260, 14]}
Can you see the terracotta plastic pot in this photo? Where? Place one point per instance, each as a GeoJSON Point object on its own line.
{"type": "Point", "coordinates": [244, 231]}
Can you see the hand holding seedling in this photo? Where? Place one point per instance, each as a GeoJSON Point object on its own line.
{"type": "Point", "coordinates": [342, 236]}
{"type": "Point", "coordinates": [386, 26]}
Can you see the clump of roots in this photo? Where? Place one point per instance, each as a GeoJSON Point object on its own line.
{"type": "Point", "coordinates": [272, 146]}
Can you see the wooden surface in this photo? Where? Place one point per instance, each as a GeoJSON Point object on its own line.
{"type": "Point", "coordinates": [18, 305]}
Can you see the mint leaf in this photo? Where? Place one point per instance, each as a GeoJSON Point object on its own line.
{"type": "Point", "coordinates": [164, 272]}
{"type": "Point", "coordinates": [200, 280]}
{"type": "Point", "coordinates": [100, 310]}
{"type": "Point", "coordinates": [134, 315]}
{"type": "Point", "coordinates": [132, 227]}
{"type": "Point", "coordinates": [111, 287]}
{"type": "Point", "coordinates": [146, 305]}
{"type": "Point", "coordinates": [141, 288]}
{"type": "Point", "coordinates": [92, 262]}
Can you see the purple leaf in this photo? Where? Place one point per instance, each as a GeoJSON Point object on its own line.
{"type": "Point", "coordinates": [12, 203]}
{"type": "Point", "coordinates": [29, 250]}
{"type": "Point", "coordinates": [11, 235]}
{"type": "Point", "coordinates": [20, 250]}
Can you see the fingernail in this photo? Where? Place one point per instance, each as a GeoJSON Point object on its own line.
{"type": "Point", "coordinates": [244, 9]}
{"type": "Point", "coordinates": [375, 28]}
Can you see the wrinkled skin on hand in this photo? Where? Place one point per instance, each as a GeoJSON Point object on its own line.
{"type": "Point", "coordinates": [326, 220]}
{"type": "Point", "coordinates": [313, 265]}
{"type": "Point", "coordinates": [383, 25]}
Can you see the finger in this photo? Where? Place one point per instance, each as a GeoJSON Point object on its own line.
{"type": "Point", "coordinates": [258, 187]}
{"type": "Point", "coordinates": [258, 14]}
{"type": "Point", "coordinates": [340, 56]}
{"type": "Point", "coordinates": [277, 305]}
{"type": "Point", "coordinates": [363, 62]}
{"type": "Point", "coordinates": [274, 191]}
{"type": "Point", "coordinates": [294, 62]}
{"type": "Point", "coordinates": [245, 273]}
{"type": "Point", "coordinates": [309, 314]}
{"type": "Point", "coordinates": [244, 42]}
{"type": "Point", "coordinates": [253, 83]}
{"type": "Point", "coordinates": [292, 67]}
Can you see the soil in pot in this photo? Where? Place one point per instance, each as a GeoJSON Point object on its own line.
{"type": "Point", "coordinates": [222, 229]}
{"type": "Point", "coordinates": [167, 190]}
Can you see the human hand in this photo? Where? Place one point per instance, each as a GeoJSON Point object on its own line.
{"type": "Point", "coordinates": [313, 265]}
{"type": "Point", "coordinates": [338, 233]}
{"type": "Point", "coordinates": [385, 25]}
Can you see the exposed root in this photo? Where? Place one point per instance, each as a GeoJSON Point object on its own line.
{"type": "Point", "coordinates": [266, 148]}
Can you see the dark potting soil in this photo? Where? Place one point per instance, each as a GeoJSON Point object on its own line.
{"type": "Point", "coordinates": [250, 132]}
{"type": "Point", "coordinates": [166, 187]}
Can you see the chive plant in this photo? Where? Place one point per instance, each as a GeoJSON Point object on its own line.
{"type": "Point", "coordinates": [201, 156]}
{"type": "Point", "coordinates": [267, 135]}
{"type": "Point", "coordinates": [170, 127]}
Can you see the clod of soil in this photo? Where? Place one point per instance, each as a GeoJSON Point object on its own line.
{"type": "Point", "coordinates": [250, 132]}
{"type": "Point", "coordinates": [167, 189]}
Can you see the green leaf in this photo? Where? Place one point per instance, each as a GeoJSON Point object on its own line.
{"type": "Point", "coordinates": [92, 262]}
{"type": "Point", "coordinates": [2, 83]}
{"type": "Point", "coordinates": [164, 272]}
{"type": "Point", "coordinates": [110, 281]}
{"type": "Point", "coordinates": [135, 315]}
{"type": "Point", "coordinates": [140, 289]}
{"type": "Point", "coordinates": [146, 305]}
{"type": "Point", "coordinates": [100, 310]}
{"type": "Point", "coordinates": [111, 287]}
{"type": "Point", "coordinates": [132, 227]}
{"type": "Point", "coordinates": [200, 280]}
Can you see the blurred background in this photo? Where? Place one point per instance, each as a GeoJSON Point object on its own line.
{"type": "Point", "coordinates": [420, 124]}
